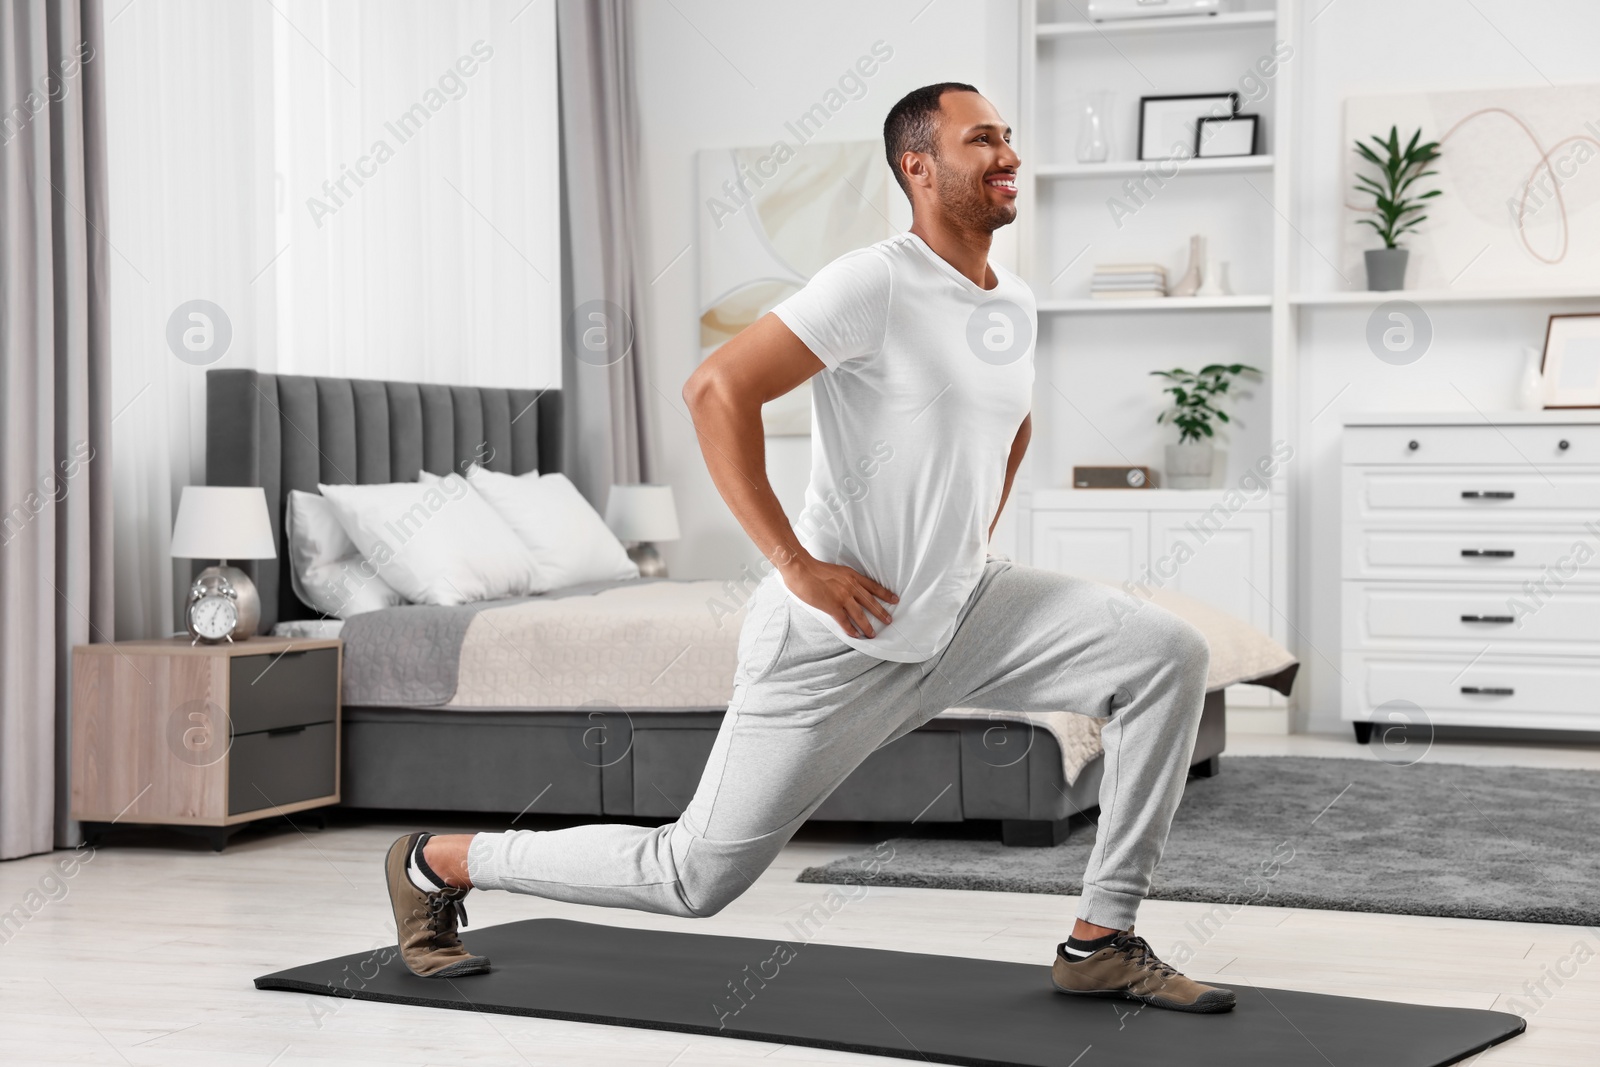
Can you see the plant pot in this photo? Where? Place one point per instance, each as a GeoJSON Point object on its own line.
{"type": "Point", "coordinates": [1189, 466]}
{"type": "Point", "coordinates": [1386, 268]}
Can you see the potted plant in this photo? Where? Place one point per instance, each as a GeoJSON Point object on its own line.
{"type": "Point", "coordinates": [1398, 210]}
{"type": "Point", "coordinates": [1189, 461]}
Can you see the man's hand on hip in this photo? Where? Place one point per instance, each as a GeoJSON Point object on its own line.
{"type": "Point", "coordinates": [847, 595]}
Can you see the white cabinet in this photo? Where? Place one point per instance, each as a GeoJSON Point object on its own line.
{"type": "Point", "coordinates": [1186, 542]}
{"type": "Point", "coordinates": [1471, 570]}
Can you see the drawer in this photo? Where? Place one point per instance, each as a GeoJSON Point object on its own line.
{"type": "Point", "coordinates": [1512, 445]}
{"type": "Point", "coordinates": [1474, 691]}
{"type": "Point", "coordinates": [293, 689]}
{"type": "Point", "coordinates": [1486, 552]}
{"type": "Point", "coordinates": [1466, 497]}
{"type": "Point", "coordinates": [278, 767]}
{"type": "Point", "coordinates": [1500, 616]}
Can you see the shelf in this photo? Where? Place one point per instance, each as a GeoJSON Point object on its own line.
{"type": "Point", "coordinates": [1165, 303]}
{"type": "Point", "coordinates": [1441, 296]}
{"type": "Point", "coordinates": [1128, 168]}
{"type": "Point", "coordinates": [1232, 20]}
{"type": "Point", "coordinates": [1069, 499]}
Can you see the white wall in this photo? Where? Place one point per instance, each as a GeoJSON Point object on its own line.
{"type": "Point", "coordinates": [1363, 47]}
{"type": "Point", "coordinates": [723, 73]}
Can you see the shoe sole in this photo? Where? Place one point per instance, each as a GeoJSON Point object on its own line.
{"type": "Point", "coordinates": [1210, 1003]}
{"type": "Point", "coordinates": [471, 965]}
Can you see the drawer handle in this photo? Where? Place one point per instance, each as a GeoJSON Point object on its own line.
{"type": "Point", "coordinates": [1412, 445]}
{"type": "Point", "coordinates": [1489, 553]}
{"type": "Point", "coordinates": [1563, 444]}
{"type": "Point", "coordinates": [1488, 690]}
{"type": "Point", "coordinates": [1488, 618]}
{"type": "Point", "coordinates": [287, 730]}
{"type": "Point", "coordinates": [1487, 494]}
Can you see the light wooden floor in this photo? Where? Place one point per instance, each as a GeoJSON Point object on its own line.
{"type": "Point", "coordinates": [148, 954]}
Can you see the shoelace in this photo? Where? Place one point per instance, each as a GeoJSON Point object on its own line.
{"type": "Point", "coordinates": [440, 904]}
{"type": "Point", "coordinates": [1138, 950]}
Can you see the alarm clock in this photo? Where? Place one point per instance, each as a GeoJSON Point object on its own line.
{"type": "Point", "coordinates": [213, 612]}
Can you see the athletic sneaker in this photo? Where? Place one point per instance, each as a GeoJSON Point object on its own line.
{"type": "Point", "coordinates": [1126, 967]}
{"type": "Point", "coordinates": [427, 922]}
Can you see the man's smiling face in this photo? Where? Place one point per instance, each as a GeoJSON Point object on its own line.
{"type": "Point", "coordinates": [974, 166]}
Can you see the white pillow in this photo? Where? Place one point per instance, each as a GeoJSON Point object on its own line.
{"type": "Point", "coordinates": [436, 544]}
{"type": "Point", "coordinates": [568, 539]}
{"type": "Point", "coordinates": [326, 569]}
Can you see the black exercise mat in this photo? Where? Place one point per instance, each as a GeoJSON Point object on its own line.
{"type": "Point", "coordinates": [943, 1009]}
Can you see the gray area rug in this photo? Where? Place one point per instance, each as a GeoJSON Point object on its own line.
{"type": "Point", "coordinates": [1511, 843]}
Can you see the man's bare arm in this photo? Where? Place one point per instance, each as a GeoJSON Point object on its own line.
{"type": "Point", "coordinates": [724, 395]}
{"type": "Point", "coordinates": [1019, 448]}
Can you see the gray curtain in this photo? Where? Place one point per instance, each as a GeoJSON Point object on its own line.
{"type": "Point", "coordinates": [604, 380]}
{"type": "Point", "coordinates": [55, 484]}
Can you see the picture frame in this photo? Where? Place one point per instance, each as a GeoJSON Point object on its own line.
{"type": "Point", "coordinates": [1168, 125]}
{"type": "Point", "coordinates": [1227, 136]}
{"type": "Point", "coordinates": [1571, 363]}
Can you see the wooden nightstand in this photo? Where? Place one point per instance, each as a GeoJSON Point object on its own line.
{"type": "Point", "coordinates": [203, 738]}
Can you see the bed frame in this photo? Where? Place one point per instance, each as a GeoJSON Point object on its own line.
{"type": "Point", "coordinates": [285, 432]}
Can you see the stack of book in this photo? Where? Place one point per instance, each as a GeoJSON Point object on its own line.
{"type": "Point", "coordinates": [1128, 281]}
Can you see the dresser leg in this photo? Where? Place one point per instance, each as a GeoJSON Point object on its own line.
{"type": "Point", "coordinates": [1363, 732]}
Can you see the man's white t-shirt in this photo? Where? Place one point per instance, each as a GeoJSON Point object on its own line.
{"type": "Point", "coordinates": [928, 379]}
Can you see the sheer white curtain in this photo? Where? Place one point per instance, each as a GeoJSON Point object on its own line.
{"type": "Point", "coordinates": [363, 188]}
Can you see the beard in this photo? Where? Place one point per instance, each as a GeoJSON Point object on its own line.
{"type": "Point", "coordinates": [968, 204]}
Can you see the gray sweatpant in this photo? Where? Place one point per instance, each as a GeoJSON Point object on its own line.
{"type": "Point", "coordinates": [807, 709]}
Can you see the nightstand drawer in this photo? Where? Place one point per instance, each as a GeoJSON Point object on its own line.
{"type": "Point", "coordinates": [278, 767]}
{"type": "Point", "coordinates": [295, 688]}
{"type": "Point", "coordinates": [1546, 446]}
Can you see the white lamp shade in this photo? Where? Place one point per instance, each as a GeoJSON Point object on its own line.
{"type": "Point", "coordinates": [222, 522]}
{"type": "Point", "coordinates": [642, 513]}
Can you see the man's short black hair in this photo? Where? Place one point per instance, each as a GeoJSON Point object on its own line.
{"type": "Point", "coordinates": [913, 123]}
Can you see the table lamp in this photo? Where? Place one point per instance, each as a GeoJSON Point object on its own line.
{"type": "Point", "coordinates": [640, 515]}
{"type": "Point", "coordinates": [224, 523]}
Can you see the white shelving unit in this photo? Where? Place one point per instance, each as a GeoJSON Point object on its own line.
{"type": "Point", "coordinates": [1231, 20]}
{"type": "Point", "coordinates": [1095, 403]}
{"type": "Point", "coordinates": [1167, 170]}
{"type": "Point", "coordinates": [1360, 298]}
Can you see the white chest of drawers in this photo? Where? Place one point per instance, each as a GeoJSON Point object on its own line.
{"type": "Point", "coordinates": [1471, 570]}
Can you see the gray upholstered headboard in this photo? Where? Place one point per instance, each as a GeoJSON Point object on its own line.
{"type": "Point", "coordinates": [285, 432]}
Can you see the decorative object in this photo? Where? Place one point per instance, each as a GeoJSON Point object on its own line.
{"type": "Point", "coordinates": [222, 523]}
{"type": "Point", "coordinates": [1188, 463]}
{"type": "Point", "coordinates": [1398, 209]}
{"type": "Point", "coordinates": [1168, 125]}
{"type": "Point", "coordinates": [1128, 281]}
{"type": "Point", "coordinates": [1215, 279]}
{"type": "Point", "coordinates": [1466, 871]}
{"type": "Point", "coordinates": [1502, 224]}
{"type": "Point", "coordinates": [1220, 136]}
{"type": "Point", "coordinates": [1571, 364]}
{"type": "Point", "coordinates": [771, 217]}
{"type": "Point", "coordinates": [1189, 284]}
{"type": "Point", "coordinates": [641, 515]}
{"type": "Point", "coordinates": [1530, 386]}
{"type": "Point", "coordinates": [1112, 478]}
{"type": "Point", "coordinates": [1112, 10]}
{"type": "Point", "coordinates": [226, 734]}
{"type": "Point", "coordinates": [1094, 139]}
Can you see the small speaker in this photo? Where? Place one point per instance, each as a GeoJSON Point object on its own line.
{"type": "Point", "coordinates": [1112, 478]}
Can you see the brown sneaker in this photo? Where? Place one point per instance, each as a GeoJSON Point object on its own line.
{"type": "Point", "coordinates": [427, 922]}
{"type": "Point", "coordinates": [1128, 968]}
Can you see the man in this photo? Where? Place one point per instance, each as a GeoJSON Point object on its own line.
{"type": "Point", "coordinates": [884, 611]}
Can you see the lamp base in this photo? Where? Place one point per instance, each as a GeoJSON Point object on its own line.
{"type": "Point", "coordinates": [245, 590]}
{"type": "Point", "coordinates": [649, 561]}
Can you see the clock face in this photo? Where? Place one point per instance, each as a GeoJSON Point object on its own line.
{"type": "Point", "coordinates": [213, 617]}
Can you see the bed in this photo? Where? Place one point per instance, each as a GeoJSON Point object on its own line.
{"type": "Point", "coordinates": [604, 699]}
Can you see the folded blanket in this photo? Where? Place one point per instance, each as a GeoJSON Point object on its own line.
{"type": "Point", "coordinates": [661, 646]}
